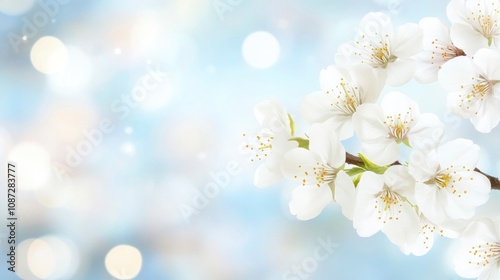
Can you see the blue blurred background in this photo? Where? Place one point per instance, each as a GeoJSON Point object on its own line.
{"type": "Point", "coordinates": [128, 204]}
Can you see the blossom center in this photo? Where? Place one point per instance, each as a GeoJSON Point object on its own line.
{"type": "Point", "coordinates": [318, 174]}
{"type": "Point", "coordinates": [399, 125]}
{"type": "Point", "coordinates": [484, 22]}
{"type": "Point", "coordinates": [388, 205]}
{"type": "Point", "coordinates": [376, 54]}
{"type": "Point", "coordinates": [443, 179]}
{"type": "Point", "coordinates": [261, 146]}
{"type": "Point", "coordinates": [485, 254]}
{"type": "Point", "coordinates": [345, 98]}
{"type": "Point", "coordinates": [478, 89]}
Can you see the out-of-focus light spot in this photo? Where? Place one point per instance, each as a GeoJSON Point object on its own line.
{"type": "Point", "coordinates": [22, 267]}
{"type": "Point", "coordinates": [118, 51]}
{"type": "Point", "coordinates": [123, 262]}
{"type": "Point", "coordinates": [159, 96]}
{"type": "Point", "coordinates": [76, 74]}
{"type": "Point", "coordinates": [41, 260]}
{"type": "Point", "coordinates": [5, 142]}
{"type": "Point", "coordinates": [66, 256]}
{"type": "Point", "coordinates": [129, 130]}
{"type": "Point", "coordinates": [128, 149]}
{"type": "Point", "coordinates": [55, 194]}
{"type": "Point", "coordinates": [49, 257]}
{"type": "Point", "coordinates": [145, 32]}
{"type": "Point", "coordinates": [261, 49]}
{"type": "Point", "coordinates": [16, 7]}
{"type": "Point", "coordinates": [188, 138]}
{"type": "Point", "coordinates": [202, 156]}
{"type": "Point", "coordinates": [49, 55]}
{"type": "Point", "coordinates": [33, 164]}
{"type": "Point", "coordinates": [25, 37]}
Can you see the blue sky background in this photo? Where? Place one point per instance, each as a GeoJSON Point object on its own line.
{"type": "Point", "coordinates": [131, 187]}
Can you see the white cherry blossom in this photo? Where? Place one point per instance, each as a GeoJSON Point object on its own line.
{"type": "Point", "coordinates": [387, 50]}
{"type": "Point", "coordinates": [319, 171]}
{"type": "Point", "coordinates": [272, 142]}
{"type": "Point", "coordinates": [398, 120]}
{"type": "Point", "coordinates": [474, 24]}
{"type": "Point", "coordinates": [437, 49]}
{"type": "Point", "coordinates": [473, 88]}
{"type": "Point", "coordinates": [383, 203]}
{"type": "Point", "coordinates": [479, 252]}
{"type": "Point", "coordinates": [341, 93]}
{"type": "Point", "coordinates": [447, 185]}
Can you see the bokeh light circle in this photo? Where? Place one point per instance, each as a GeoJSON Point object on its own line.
{"type": "Point", "coordinates": [33, 164]}
{"type": "Point", "coordinates": [49, 55]}
{"type": "Point", "coordinates": [123, 262]}
{"type": "Point", "coordinates": [261, 49]}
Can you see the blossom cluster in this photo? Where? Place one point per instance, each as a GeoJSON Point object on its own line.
{"type": "Point", "coordinates": [435, 190]}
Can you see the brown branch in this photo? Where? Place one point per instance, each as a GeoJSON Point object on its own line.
{"type": "Point", "coordinates": [352, 159]}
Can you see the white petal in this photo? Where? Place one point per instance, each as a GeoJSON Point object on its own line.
{"type": "Point", "coordinates": [459, 152]}
{"type": "Point", "coordinates": [470, 190]}
{"type": "Point", "coordinates": [315, 108]}
{"type": "Point", "coordinates": [368, 123]}
{"type": "Point", "coordinates": [395, 103]}
{"type": "Point", "coordinates": [345, 194]}
{"type": "Point", "coordinates": [493, 273]}
{"type": "Point", "coordinates": [423, 164]}
{"type": "Point", "coordinates": [407, 40]}
{"type": "Point", "coordinates": [425, 72]}
{"type": "Point", "coordinates": [405, 229]}
{"type": "Point", "coordinates": [308, 201]}
{"type": "Point", "coordinates": [431, 201]}
{"type": "Point", "coordinates": [488, 115]}
{"type": "Point", "coordinates": [368, 82]}
{"type": "Point", "coordinates": [467, 38]}
{"type": "Point", "coordinates": [400, 71]}
{"type": "Point", "coordinates": [457, 72]}
{"type": "Point", "coordinates": [365, 219]}
{"type": "Point", "coordinates": [384, 152]}
{"type": "Point", "coordinates": [488, 60]}
{"type": "Point", "coordinates": [332, 76]}
{"type": "Point", "coordinates": [265, 177]}
{"type": "Point", "coordinates": [376, 25]}
{"type": "Point", "coordinates": [426, 133]}
{"type": "Point", "coordinates": [400, 181]}
{"type": "Point", "coordinates": [456, 11]}
{"type": "Point", "coordinates": [296, 161]}
{"type": "Point", "coordinates": [272, 117]}
{"type": "Point", "coordinates": [324, 142]}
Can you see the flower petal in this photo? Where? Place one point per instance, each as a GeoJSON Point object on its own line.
{"type": "Point", "coordinates": [467, 38]}
{"type": "Point", "coordinates": [296, 161]}
{"type": "Point", "coordinates": [407, 40]}
{"type": "Point", "coordinates": [368, 82]}
{"type": "Point", "coordinates": [384, 152]}
{"type": "Point", "coordinates": [400, 71]}
{"type": "Point", "coordinates": [488, 115]}
{"type": "Point", "coordinates": [456, 11]}
{"type": "Point", "coordinates": [400, 181]}
{"type": "Point", "coordinates": [315, 108]}
{"type": "Point", "coordinates": [423, 164]}
{"type": "Point", "coordinates": [426, 133]}
{"type": "Point", "coordinates": [324, 142]}
{"type": "Point", "coordinates": [405, 229]}
{"type": "Point", "coordinates": [459, 152]}
{"type": "Point", "coordinates": [308, 201]}
{"type": "Point", "coordinates": [488, 61]}
{"type": "Point", "coordinates": [265, 176]}
{"type": "Point", "coordinates": [365, 219]}
{"type": "Point", "coordinates": [431, 201]}
{"type": "Point", "coordinates": [345, 194]}
{"type": "Point", "coordinates": [368, 123]}
{"type": "Point", "coordinates": [272, 117]}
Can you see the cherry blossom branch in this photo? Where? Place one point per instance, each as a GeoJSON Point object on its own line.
{"type": "Point", "coordinates": [352, 159]}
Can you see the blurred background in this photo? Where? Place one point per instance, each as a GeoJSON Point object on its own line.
{"type": "Point", "coordinates": [125, 120]}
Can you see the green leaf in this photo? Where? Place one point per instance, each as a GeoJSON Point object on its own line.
{"type": "Point", "coordinates": [370, 166]}
{"type": "Point", "coordinates": [303, 143]}
{"type": "Point", "coordinates": [292, 125]}
{"type": "Point", "coordinates": [356, 180]}
{"type": "Point", "coordinates": [354, 171]}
